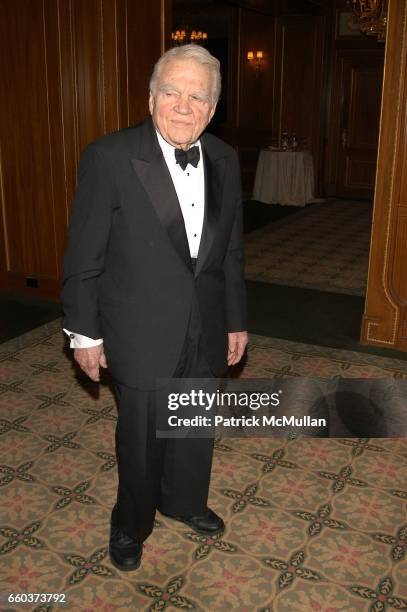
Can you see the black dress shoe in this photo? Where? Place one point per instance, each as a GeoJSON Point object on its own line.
{"type": "Point", "coordinates": [205, 524]}
{"type": "Point", "coordinates": [125, 552]}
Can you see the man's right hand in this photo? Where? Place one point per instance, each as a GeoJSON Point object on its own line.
{"type": "Point", "coordinates": [89, 360]}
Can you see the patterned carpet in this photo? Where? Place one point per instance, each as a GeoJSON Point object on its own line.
{"type": "Point", "coordinates": [312, 525]}
{"type": "Point", "coordinates": [325, 247]}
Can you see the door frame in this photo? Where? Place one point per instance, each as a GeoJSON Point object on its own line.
{"type": "Point", "coordinates": [385, 317]}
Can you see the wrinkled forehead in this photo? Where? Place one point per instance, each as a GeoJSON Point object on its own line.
{"type": "Point", "coordinates": [179, 69]}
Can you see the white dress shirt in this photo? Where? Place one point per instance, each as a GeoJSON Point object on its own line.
{"type": "Point", "coordinates": [189, 185]}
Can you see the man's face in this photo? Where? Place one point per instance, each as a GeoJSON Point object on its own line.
{"type": "Point", "coordinates": [182, 106]}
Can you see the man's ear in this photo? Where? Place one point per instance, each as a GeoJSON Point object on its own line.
{"type": "Point", "coordinates": [213, 109]}
{"type": "Point", "coordinates": [151, 103]}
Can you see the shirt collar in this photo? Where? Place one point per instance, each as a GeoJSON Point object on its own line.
{"type": "Point", "coordinates": [168, 149]}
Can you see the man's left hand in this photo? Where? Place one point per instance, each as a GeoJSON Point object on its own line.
{"type": "Point", "coordinates": [237, 344]}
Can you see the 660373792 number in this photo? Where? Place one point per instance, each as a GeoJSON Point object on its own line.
{"type": "Point", "coordinates": [22, 598]}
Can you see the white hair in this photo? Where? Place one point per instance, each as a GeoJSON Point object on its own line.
{"type": "Point", "coordinates": [189, 52]}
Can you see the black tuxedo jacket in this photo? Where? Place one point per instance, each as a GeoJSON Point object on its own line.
{"type": "Point", "coordinates": [127, 269]}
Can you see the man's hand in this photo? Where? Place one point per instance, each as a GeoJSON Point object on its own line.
{"type": "Point", "coordinates": [237, 344]}
{"type": "Point", "coordinates": [89, 360]}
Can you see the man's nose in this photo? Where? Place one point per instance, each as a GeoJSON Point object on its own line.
{"type": "Point", "coordinates": [183, 105]}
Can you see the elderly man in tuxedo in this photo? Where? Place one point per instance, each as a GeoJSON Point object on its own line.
{"type": "Point", "coordinates": [153, 287]}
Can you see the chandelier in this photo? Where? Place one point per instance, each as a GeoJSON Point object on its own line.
{"type": "Point", "coordinates": [186, 35]}
{"type": "Point", "coordinates": [370, 17]}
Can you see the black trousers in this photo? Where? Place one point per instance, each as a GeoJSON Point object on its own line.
{"type": "Point", "coordinates": [171, 475]}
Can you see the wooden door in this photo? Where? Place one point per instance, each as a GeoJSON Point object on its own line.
{"type": "Point", "coordinates": [358, 102]}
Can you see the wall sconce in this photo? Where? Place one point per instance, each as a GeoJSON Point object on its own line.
{"type": "Point", "coordinates": [187, 35]}
{"type": "Point", "coordinates": [255, 57]}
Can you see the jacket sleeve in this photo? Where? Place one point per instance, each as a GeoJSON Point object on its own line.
{"type": "Point", "coordinates": [236, 302]}
{"type": "Point", "coordinates": [88, 236]}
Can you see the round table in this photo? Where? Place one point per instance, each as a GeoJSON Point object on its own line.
{"type": "Point", "coordinates": [284, 177]}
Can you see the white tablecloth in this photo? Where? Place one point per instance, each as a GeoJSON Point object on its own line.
{"type": "Point", "coordinates": [284, 177]}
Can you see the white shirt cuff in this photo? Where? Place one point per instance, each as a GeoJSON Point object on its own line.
{"type": "Point", "coordinates": [79, 341]}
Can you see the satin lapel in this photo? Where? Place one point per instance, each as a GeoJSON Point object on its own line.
{"type": "Point", "coordinates": [157, 182]}
{"type": "Point", "coordinates": [214, 175]}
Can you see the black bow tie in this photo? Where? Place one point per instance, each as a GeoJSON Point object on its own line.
{"type": "Point", "coordinates": [184, 158]}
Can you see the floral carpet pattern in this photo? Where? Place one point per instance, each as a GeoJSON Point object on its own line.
{"type": "Point", "coordinates": [312, 524]}
{"type": "Point", "coordinates": [325, 247]}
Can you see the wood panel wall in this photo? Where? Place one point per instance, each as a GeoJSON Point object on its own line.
{"type": "Point", "coordinates": [285, 93]}
{"type": "Point", "coordinates": [300, 82]}
{"type": "Point", "coordinates": [385, 317]}
{"type": "Point", "coordinates": [255, 91]}
{"type": "Point", "coordinates": [71, 71]}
